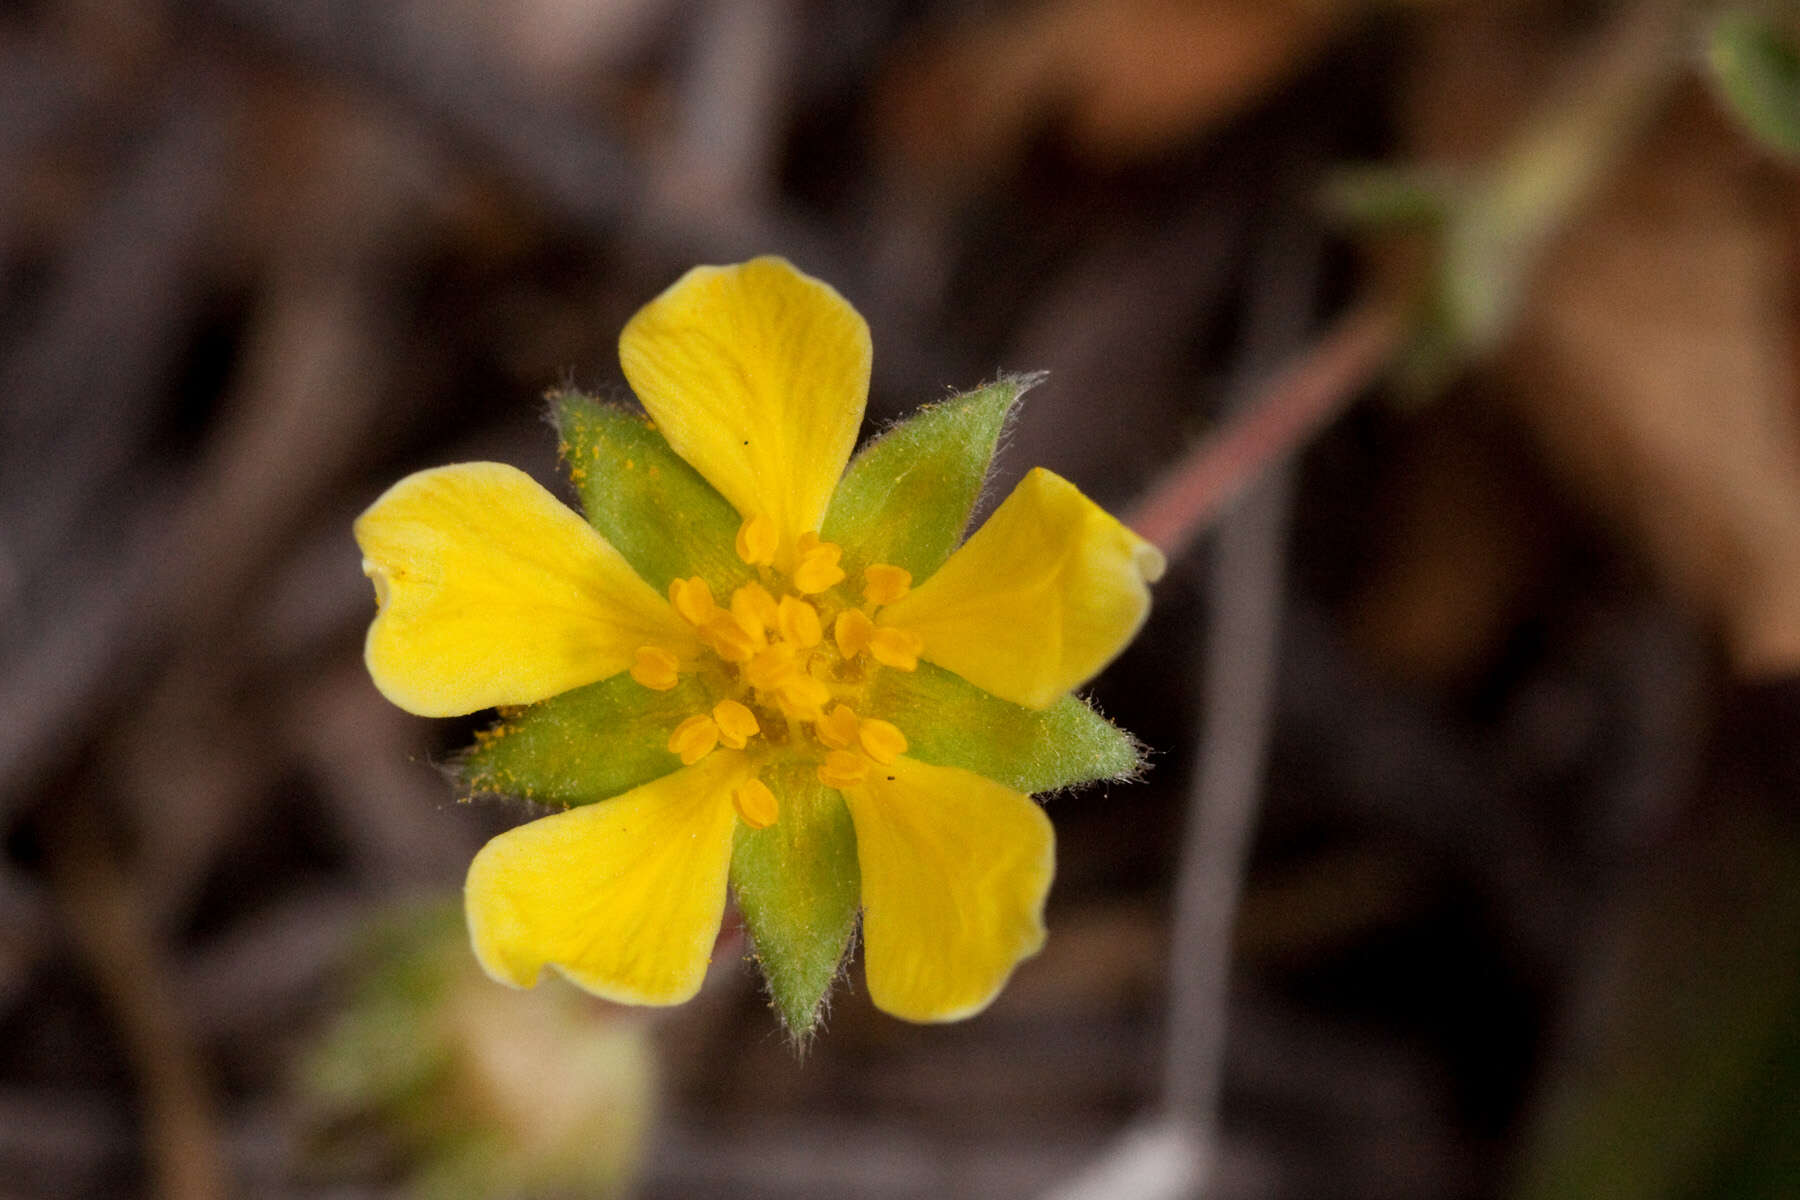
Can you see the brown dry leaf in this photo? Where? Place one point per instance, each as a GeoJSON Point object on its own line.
{"type": "Point", "coordinates": [1127, 77]}
{"type": "Point", "coordinates": [1476, 73]}
{"type": "Point", "coordinates": [1654, 364]}
{"type": "Point", "coordinates": [1466, 541]}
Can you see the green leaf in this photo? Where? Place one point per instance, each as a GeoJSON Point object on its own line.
{"type": "Point", "coordinates": [907, 497]}
{"type": "Point", "coordinates": [584, 745]}
{"type": "Point", "coordinates": [1383, 197]}
{"type": "Point", "coordinates": [662, 516]}
{"type": "Point", "coordinates": [952, 723]}
{"type": "Point", "coordinates": [1756, 65]}
{"type": "Point", "coordinates": [404, 963]}
{"type": "Point", "coordinates": [797, 884]}
{"type": "Point", "coordinates": [1685, 1081]}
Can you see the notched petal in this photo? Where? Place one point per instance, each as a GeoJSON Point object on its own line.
{"type": "Point", "coordinates": [757, 375]}
{"type": "Point", "coordinates": [494, 592]}
{"type": "Point", "coordinates": [1039, 599]}
{"type": "Point", "coordinates": [955, 869]}
{"type": "Point", "coordinates": [624, 897]}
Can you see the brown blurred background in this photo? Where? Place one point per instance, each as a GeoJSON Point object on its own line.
{"type": "Point", "coordinates": [1519, 911]}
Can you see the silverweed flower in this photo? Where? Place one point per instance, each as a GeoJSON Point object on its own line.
{"type": "Point", "coordinates": [759, 663]}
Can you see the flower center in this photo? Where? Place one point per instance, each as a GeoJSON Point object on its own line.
{"type": "Point", "coordinates": [791, 657]}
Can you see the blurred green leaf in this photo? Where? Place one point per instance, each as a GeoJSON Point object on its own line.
{"type": "Point", "coordinates": [474, 1089]}
{"type": "Point", "coordinates": [1756, 65]}
{"type": "Point", "coordinates": [1686, 1082]}
{"type": "Point", "coordinates": [1377, 198]}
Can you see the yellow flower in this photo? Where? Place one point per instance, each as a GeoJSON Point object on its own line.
{"type": "Point", "coordinates": [760, 666]}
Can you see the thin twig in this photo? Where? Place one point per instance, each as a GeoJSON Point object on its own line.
{"type": "Point", "coordinates": [1174, 1154]}
{"type": "Point", "coordinates": [1237, 684]}
{"type": "Point", "coordinates": [1237, 696]}
{"type": "Point", "coordinates": [1297, 402]}
{"type": "Point", "coordinates": [107, 923]}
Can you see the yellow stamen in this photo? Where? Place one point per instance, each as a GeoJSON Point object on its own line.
{"type": "Point", "coordinates": [842, 769]}
{"type": "Point", "coordinates": [694, 739]}
{"type": "Point", "coordinates": [882, 740]}
{"type": "Point", "coordinates": [755, 803]}
{"type": "Point", "coordinates": [818, 569]}
{"type": "Point", "coordinates": [737, 724]}
{"type": "Point", "coordinates": [729, 640]}
{"type": "Point", "coordinates": [884, 583]}
{"type": "Point", "coordinates": [838, 729]}
{"type": "Point", "coordinates": [807, 542]}
{"type": "Point", "coordinates": [757, 540]}
{"type": "Point", "coordinates": [852, 632]}
{"type": "Point", "coordinates": [655, 667]}
{"type": "Point", "coordinates": [768, 668]}
{"type": "Point", "coordinates": [803, 695]}
{"type": "Point", "coordinates": [896, 648]}
{"type": "Point", "coordinates": [693, 599]}
{"type": "Point", "coordinates": [754, 609]}
{"type": "Point", "coordinates": [799, 622]}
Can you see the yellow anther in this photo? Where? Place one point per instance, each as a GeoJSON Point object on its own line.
{"type": "Point", "coordinates": [842, 769]}
{"type": "Point", "coordinates": [694, 739]}
{"type": "Point", "coordinates": [655, 667]}
{"type": "Point", "coordinates": [757, 540]}
{"type": "Point", "coordinates": [884, 583]}
{"type": "Point", "coordinates": [803, 695]}
{"type": "Point", "coordinates": [818, 569]}
{"type": "Point", "coordinates": [883, 741]}
{"type": "Point", "coordinates": [799, 622]}
{"type": "Point", "coordinates": [728, 638]}
{"type": "Point", "coordinates": [755, 803]}
{"type": "Point", "coordinates": [896, 648]}
{"type": "Point", "coordinates": [807, 542]}
{"type": "Point", "coordinates": [693, 599]}
{"type": "Point", "coordinates": [852, 632]}
{"type": "Point", "coordinates": [737, 724]}
{"type": "Point", "coordinates": [754, 609]}
{"type": "Point", "coordinates": [766, 669]}
{"type": "Point", "coordinates": [838, 729]}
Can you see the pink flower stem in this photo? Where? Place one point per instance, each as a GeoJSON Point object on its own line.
{"type": "Point", "coordinates": [1301, 399]}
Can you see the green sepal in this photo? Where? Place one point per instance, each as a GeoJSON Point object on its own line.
{"type": "Point", "coordinates": [907, 497]}
{"type": "Point", "coordinates": [656, 510]}
{"type": "Point", "coordinates": [952, 723]}
{"type": "Point", "coordinates": [1756, 65]}
{"type": "Point", "coordinates": [584, 745]}
{"type": "Point", "coordinates": [797, 886]}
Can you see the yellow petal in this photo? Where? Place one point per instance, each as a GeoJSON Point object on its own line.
{"type": "Point", "coordinates": [623, 897]}
{"type": "Point", "coordinates": [1039, 599]}
{"type": "Point", "coordinates": [757, 375]}
{"type": "Point", "coordinates": [955, 868]}
{"type": "Point", "coordinates": [493, 592]}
